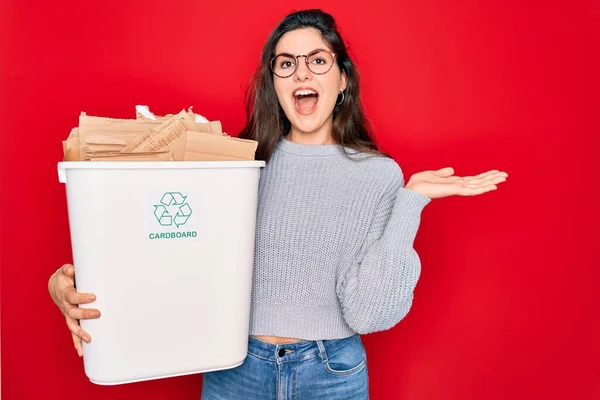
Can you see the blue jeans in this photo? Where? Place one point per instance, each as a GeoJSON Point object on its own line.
{"type": "Point", "coordinates": [307, 370]}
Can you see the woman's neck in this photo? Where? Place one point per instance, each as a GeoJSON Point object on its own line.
{"type": "Point", "coordinates": [321, 136]}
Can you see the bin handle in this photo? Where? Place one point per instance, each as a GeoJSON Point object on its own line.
{"type": "Point", "coordinates": [62, 175]}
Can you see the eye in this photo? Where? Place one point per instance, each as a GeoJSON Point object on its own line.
{"type": "Point", "coordinates": [319, 61]}
{"type": "Point", "coordinates": [286, 64]}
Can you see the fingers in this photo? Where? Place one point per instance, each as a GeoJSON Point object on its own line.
{"type": "Point", "coordinates": [482, 175]}
{"type": "Point", "coordinates": [78, 345]}
{"type": "Point", "coordinates": [68, 270]}
{"type": "Point", "coordinates": [445, 172]}
{"type": "Point", "coordinates": [77, 331]}
{"type": "Point", "coordinates": [478, 183]}
{"type": "Point", "coordinates": [83, 313]}
{"type": "Point", "coordinates": [474, 190]}
{"type": "Point", "coordinates": [70, 299]}
{"type": "Point", "coordinates": [485, 175]}
{"type": "Point", "coordinates": [488, 178]}
{"type": "Point", "coordinates": [73, 297]}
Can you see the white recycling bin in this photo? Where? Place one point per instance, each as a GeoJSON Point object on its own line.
{"type": "Point", "coordinates": [168, 249]}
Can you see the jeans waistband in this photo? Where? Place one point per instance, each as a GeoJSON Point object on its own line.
{"type": "Point", "coordinates": [298, 351]}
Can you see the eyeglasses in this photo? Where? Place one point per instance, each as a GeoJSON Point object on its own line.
{"type": "Point", "coordinates": [318, 61]}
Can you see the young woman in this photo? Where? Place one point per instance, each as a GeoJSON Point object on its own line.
{"type": "Point", "coordinates": [335, 226]}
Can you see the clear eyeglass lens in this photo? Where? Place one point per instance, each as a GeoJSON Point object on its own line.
{"type": "Point", "coordinates": [318, 63]}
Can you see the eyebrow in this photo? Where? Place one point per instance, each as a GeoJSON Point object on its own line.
{"type": "Point", "coordinates": [290, 54]}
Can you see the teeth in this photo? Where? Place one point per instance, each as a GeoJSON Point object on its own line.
{"type": "Point", "coordinates": [304, 92]}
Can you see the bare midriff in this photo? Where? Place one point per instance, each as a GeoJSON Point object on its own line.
{"type": "Point", "coordinates": [277, 339]}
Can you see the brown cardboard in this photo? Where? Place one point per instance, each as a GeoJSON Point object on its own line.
{"type": "Point", "coordinates": [98, 142]}
{"type": "Point", "coordinates": [213, 127]}
{"type": "Point", "coordinates": [168, 138]}
{"type": "Point", "coordinates": [208, 127]}
{"type": "Point", "coordinates": [157, 141]}
{"type": "Point", "coordinates": [194, 156]}
{"type": "Point", "coordinates": [221, 146]}
{"type": "Point", "coordinates": [177, 146]}
{"type": "Point", "coordinates": [96, 131]}
{"type": "Point", "coordinates": [114, 139]}
{"type": "Point", "coordinates": [89, 123]}
{"type": "Point", "coordinates": [71, 146]}
{"type": "Point", "coordinates": [72, 154]}
{"type": "Point", "coordinates": [152, 156]}
{"type": "Point", "coordinates": [135, 143]}
{"type": "Point", "coordinates": [166, 133]}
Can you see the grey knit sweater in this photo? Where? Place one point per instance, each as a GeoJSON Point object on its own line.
{"type": "Point", "coordinates": [334, 244]}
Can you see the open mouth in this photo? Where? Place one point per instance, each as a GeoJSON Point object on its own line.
{"type": "Point", "coordinates": [305, 101]}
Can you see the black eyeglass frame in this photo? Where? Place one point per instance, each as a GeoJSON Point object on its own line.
{"type": "Point", "coordinates": [306, 57]}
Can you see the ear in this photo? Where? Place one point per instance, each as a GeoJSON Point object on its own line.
{"type": "Point", "coordinates": [343, 81]}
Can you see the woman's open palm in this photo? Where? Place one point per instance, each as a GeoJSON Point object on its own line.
{"type": "Point", "coordinates": [443, 183]}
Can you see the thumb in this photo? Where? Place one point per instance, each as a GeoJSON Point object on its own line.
{"type": "Point", "coordinates": [445, 172]}
{"type": "Point", "coordinates": [68, 270]}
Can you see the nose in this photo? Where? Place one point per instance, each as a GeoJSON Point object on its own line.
{"type": "Point", "coordinates": [302, 72]}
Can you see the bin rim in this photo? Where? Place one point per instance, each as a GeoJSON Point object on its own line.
{"type": "Point", "coordinates": [63, 166]}
{"type": "Point", "coordinates": [158, 164]}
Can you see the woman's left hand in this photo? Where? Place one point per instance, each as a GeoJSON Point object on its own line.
{"type": "Point", "coordinates": [443, 183]}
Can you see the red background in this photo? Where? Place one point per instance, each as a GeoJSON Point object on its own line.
{"type": "Point", "coordinates": [506, 307]}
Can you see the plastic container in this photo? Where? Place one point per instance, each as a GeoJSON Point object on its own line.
{"type": "Point", "coordinates": [168, 249]}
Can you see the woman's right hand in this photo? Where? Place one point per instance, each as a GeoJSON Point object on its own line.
{"type": "Point", "coordinates": [61, 286]}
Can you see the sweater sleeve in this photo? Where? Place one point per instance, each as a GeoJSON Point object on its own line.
{"type": "Point", "coordinates": [376, 289]}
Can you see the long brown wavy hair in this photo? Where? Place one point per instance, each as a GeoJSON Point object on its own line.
{"type": "Point", "coordinates": [266, 121]}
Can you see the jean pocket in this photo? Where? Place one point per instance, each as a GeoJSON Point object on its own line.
{"type": "Point", "coordinates": [345, 356]}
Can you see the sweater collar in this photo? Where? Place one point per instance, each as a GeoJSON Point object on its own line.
{"type": "Point", "coordinates": [311, 149]}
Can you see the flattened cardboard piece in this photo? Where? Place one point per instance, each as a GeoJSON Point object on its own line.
{"type": "Point", "coordinates": [74, 133]}
{"type": "Point", "coordinates": [177, 146]}
{"type": "Point", "coordinates": [202, 124]}
{"type": "Point", "coordinates": [193, 156]}
{"type": "Point", "coordinates": [135, 143]}
{"type": "Point", "coordinates": [206, 143]}
{"type": "Point", "coordinates": [214, 127]}
{"type": "Point", "coordinates": [110, 127]}
{"type": "Point", "coordinates": [153, 156]}
{"type": "Point", "coordinates": [88, 122]}
{"type": "Point", "coordinates": [101, 142]}
{"type": "Point", "coordinates": [161, 140]}
{"type": "Point", "coordinates": [71, 147]}
{"type": "Point", "coordinates": [117, 140]}
{"type": "Point", "coordinates": [72, 154]}
{"type": "Point", "coordinates": [165, 138]}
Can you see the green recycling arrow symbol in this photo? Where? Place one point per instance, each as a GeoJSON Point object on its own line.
{"type": "Point", "coordinates": [169, 201]}
{"type": "Point", "coordinates": [173, 199]}
{"type": "Point", "coordinates": [162, 215]}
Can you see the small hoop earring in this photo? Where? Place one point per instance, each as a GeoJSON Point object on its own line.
{"type": "Point", "coordinates": [342, 93]}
